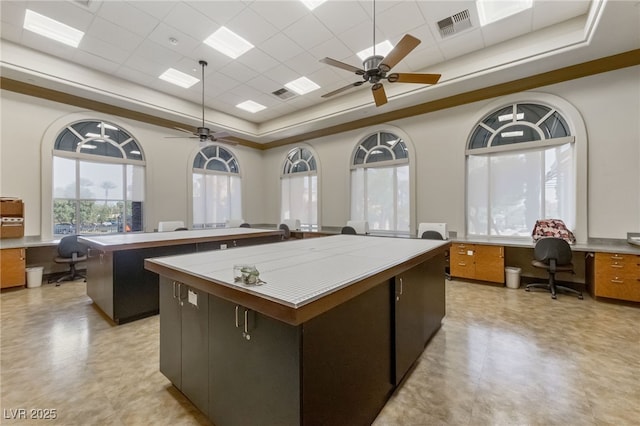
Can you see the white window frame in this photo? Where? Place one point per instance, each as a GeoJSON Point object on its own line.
{"type": "Point", "coordinates": [308, 174]}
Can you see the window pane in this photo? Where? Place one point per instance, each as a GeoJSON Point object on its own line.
{"type": "Point", "coordinates": [299, 199]}
{"type": "Point", "coordinates": [480, 138]}
{"type": "Point", "coordinates": [555, 127]}
{"type": "Point", "coordinates": [300, 166]}
{"type": "Point", "coordinates": [236, 198]}
{"type": "Point", "coordinates": [380, 198]}
{"type": "Point", "coordinates": [357, 194]}
{"type": "Point", "coordinates": [403, 199]}
{"type": "Point", "coordinates": [493, 121]}
{"type": "Point", "coordinates": [361, 153]}
{"type": "Point", "coordinates": [64, 178]}
{"type": "Point", "coordinates": [132, 150]}
{"type": "Point", "coordinates": [370, 142]}
{"type": "Point", "coordinates": [224, 154]}
{"type": "Point", "coordinates": [379, 154]}
{"type": "Point", "coordinates": [477, 195]}
{"type": "Point", "coordinates": [64, 217]}
{"type": "Point", "coordinates": [217, 165]}
{"type": "Point", "coordinates": [312, 164]}
{"type": "Point", "coordinates": [400, 150]}
{"type": "Point", "coordinates": [101, 181]}
{"type": "Point", "coordinates": [135, 183]}
{"type": "Point", "coordinates": [532, 112]}
{"type": "Point", "coordinates": [67, 141]}
{"type": "Point", "coordinates": [559, 181]}
{"type": "Point", "coordinates": [101, 217]}
{"type": "Point", "coordinates": [199, 199]}
{"type": "Point", "coordinates": [514, 134]}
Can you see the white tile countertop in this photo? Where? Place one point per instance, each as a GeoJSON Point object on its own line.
{"type": "Point", "coordinates": [301, 271]}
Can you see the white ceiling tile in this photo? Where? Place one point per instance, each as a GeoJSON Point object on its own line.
{"type": "Point", "coordinates": [238, 71]}
{"type": "Point", "coordinates": [212, 56]}
{"type": "Point", "coordinates": [103, 49]}
{"type": "Point", "coordinates": [280, 47]}
{"type": "Point", "coordinates": [257, 60]}
{"type": "Point", "coordinates": [339, 16]}
{"type": "Point", "coordinates": [219, 11]}
{"type": "Point", "coordinates": [220, 83]}
{"type": "Point", "coordinates": [113, 34]}
{"type": "Point", "coordinates": [96, 62]}
{"type": "Point", "coordinates": [333, 48]}
{"type": "Point", "coordinates": [127, 16]}
{"type": "Point", "coordinates": [308, 32]}
{"type": "Point", "coordinates": [399, 19]}
{"type": "Point", "coordinates": [158, 9]}
{"type": "Point", "coordinates": [43, 44]}
{"type": "Point", "coordinates": [184, 44]}
{"type": "Point", "coordinates": [304, 63]}
{"type": "Point", "coordinates": [250, 26]}
{"type": "Point", "coordinates": [280, 13]}
{"type": "Point", "coordinates": [419, 59]}
{"type": "Point", "coordinates": [360, 37]}
{"type": "Point", "coordinates": [462, 43]}
{"type": "Point", "coordinates": [147, 66]}
{"type": "Point", "coordinates": [154, 52]}
{"type": "Point", "coordinates": [282, 74]}
{"type": "Point", "coordinates": [264, 84]}
{"type": "Point", "coordinates": [191, 22]}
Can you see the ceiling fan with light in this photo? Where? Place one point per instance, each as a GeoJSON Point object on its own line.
{"type": "Point", "coordinates": [375, 68]}
{"type": "Point", "coordinates": [204, 134]}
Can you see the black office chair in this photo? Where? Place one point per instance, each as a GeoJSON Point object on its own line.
{"type": "Point", "coordinates": [348, 230]}
{"type": "Point", "coordinates": [286, 232]}
{"type": "Point", "coordinates": [554, 255]}
{"type": "Point", "coordinates": [182, 228]}
{"type": "Point", "coordinates": [435, 235]}
{"type": "Point", "coordinates": [71, 252]}
{"type": "Point", "coordinates": [245, 225]}
{"type": "Point", "coordinates": [432, 235]}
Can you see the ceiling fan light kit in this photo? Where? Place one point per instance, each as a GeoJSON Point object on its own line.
{"type": "Point", "coordinates": [375, 68]}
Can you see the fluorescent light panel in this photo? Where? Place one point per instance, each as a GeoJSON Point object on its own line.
{"type": "Point", "coordinates": [494, 10]}
{"type": "Point", "coordinates": [52, 29]}
{"type": "Point", "coordinates": [302, 86]}
{"type": "Point", "coordinates": [251, 106]}
{"type": "Point", "coordinates": [178, 78]}
{"type": "Point", "coordinates": [382, 49]}
{"type": "Point", "coordinates": [229, 43]}
{"type": "Point", "coordinates": [312, 4]}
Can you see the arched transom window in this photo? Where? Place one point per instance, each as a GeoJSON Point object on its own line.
{"type": "Point", "coordinates": [98, 180]}
{"type": "Point", "coordinates": [380, 189]}
{"type": "Point", "coordinates": [520, 168]}
{"type": "Point", "coordinates": [217, 189]}
{"type": "Point", "coordinates": [299, 188]}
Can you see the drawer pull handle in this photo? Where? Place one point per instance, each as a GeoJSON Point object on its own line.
{"type": "Point", "coordinates": [617, 281]}
{"type": "Point", "coordinates": [617, 266]}
{"type": "Point", "coordinates": [462, 264]}
{"type": "Point", "coordinates": [615, 257]}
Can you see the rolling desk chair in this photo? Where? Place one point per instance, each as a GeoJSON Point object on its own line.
{"type": "Point", "coordinates": [71, 252]}
{"type": "Point", "coordinates": [169, 225]}
{"type": "Point", "coordinates": [348, 230]}
{"type": "Point", "coordinates": [286, 232]}
{"type": "Point", "coordinates": [435, 235]}
{"type": "Point", "coordinates": [245, 225]}
{"type": "Point", "coordinates": [554, 255]}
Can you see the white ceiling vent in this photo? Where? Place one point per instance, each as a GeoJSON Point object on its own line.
{"type": "Point", "coordinates": [454, 24]}
{"type": "Point", "coordinates": [284, 94]}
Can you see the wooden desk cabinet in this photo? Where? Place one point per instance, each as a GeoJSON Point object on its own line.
{"type": "Point", "coordinates": [12, 267]}
{"type": "Point", "coordinates": [617, 276]}
{"type": "Point", "coordinates": [477, 262]}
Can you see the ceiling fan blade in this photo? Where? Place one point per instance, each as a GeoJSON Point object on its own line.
{"type": "Point", "coordinates": [342, 65]}
{"type": "Point", "coordinates": [184, 130]}
{"type": "Point", "coordinates": [220, 135]}
{"type": "Point", "coordinates": [413, 78]}
{"type": "Point", "coordinates": [342, 89]}
{"type": "Point", "coordinates": [402, 49]}
{"type": "Point", "coordinates": [379, 95]}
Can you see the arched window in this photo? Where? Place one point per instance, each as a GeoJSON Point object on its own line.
{"type": "Point", "coordinates": [98, 180]}
{"type": "Point", "coordinates": [520, 168]}
{"type": "Point", "coordinates": [217, 190]}
{"type": "Point", "coordinates": [380, 188]}
{"type": "Point", "coordinates": [299, 188]}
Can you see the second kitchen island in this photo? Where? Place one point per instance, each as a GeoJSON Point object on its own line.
{"type": "Point", "coordinates": [326, 340]}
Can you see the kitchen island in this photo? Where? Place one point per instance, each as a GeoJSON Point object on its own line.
{"type": "Point", "coordinates": [326, 340]}
{"type": "Point", "coordinates": [116, 279]}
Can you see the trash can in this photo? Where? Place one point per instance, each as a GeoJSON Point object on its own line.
{"type": "Point", "coordinates": [512, 276]}
{"type": "Point", "coordinates": [34, 276]}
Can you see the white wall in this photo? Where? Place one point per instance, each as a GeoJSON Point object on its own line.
{"type": "Point", "coordinates": [609, 104]}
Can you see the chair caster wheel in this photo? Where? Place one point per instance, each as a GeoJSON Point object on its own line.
{"type": "Point", "coordinates": [553, 296]}
{"type": "Point", "coordinates": [526, 289]}
{"type": "Point", "coordinates": [580, 297]}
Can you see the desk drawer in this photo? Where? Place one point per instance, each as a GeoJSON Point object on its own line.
{"type": "Point", "coordinates": [617, 276]}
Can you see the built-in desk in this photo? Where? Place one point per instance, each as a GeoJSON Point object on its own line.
{"type": "Point", "coordinates": [117, 281]}
{"type": "Point", "coordinates": [325, 341]}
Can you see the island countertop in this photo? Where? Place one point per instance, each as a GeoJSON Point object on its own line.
{"type": "Point", "coordinates": [303, 277]}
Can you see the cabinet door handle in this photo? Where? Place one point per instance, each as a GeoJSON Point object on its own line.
{"type": "Point", "coordinates": [246, 334]}
{"type": "Point", "coordinates": [617, 266]}
{"type": "Point", "coordinates": [174, 289]}
{"type": "Point", "coordinates": [617, 281]}
{"type": "Point", "coordinates": [401, 286]}
{"type": "Point", "coordinates": [237, 322]}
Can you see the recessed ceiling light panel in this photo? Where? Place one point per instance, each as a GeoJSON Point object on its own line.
{"type": "Point", "coordinates": [178, 78]}
{"type": "Point", "coordinates": [51, 28]}
{"type": "Point", "coordinates": [302, 85]}
{"type": "Point", "coordinates": [229, 43]}
{"type": "Point", "coordinates": [494, 10]}
{"type": "Point", "coordinates": [251, 106]}
{"type": "Point", "coordinates": [312, 4]}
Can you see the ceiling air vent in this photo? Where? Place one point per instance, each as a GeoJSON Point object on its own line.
{"type": "Point", "coordinates": [454, 24]}
{"type": "Point", "coordinates": [284, 94]}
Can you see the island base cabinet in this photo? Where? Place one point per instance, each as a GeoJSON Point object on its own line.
{"type": "Point", "coordinates": [184, 350]}
{"type": "Point", "coordinates": [254, 369]}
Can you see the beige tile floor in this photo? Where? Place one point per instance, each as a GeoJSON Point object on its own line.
{"type": "Point", "coordinates": [502, 357]}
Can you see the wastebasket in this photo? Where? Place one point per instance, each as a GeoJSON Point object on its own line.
{"type": "Point", "coordinates": [512, 276]}
{"type": "Point", "coordinates": [34, 276]}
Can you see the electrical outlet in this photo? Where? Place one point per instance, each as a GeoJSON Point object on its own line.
{"type": "Point", "coordinates": [223, 246]}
